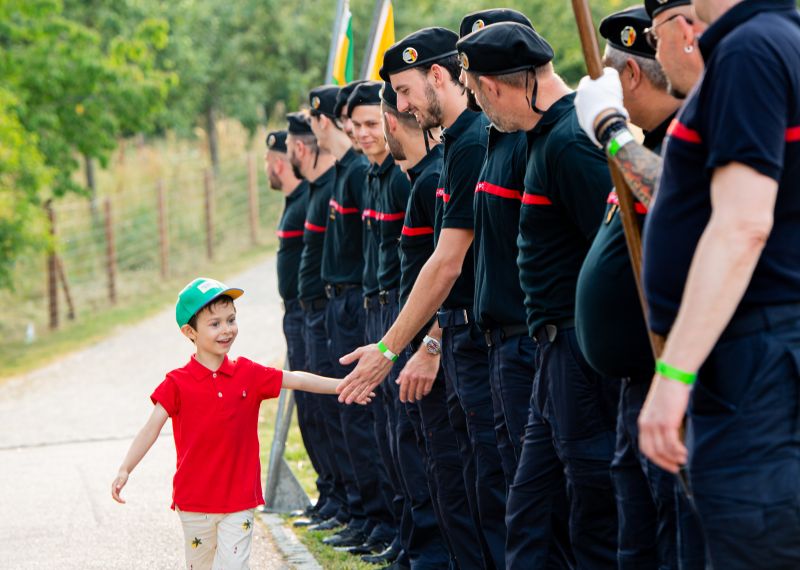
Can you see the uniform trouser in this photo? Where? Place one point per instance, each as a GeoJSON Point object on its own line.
{"type": "Point", "coordinates": [744, 442]}
{"type": "Point", "coordinates": [657, 526]}
{"type": "Point", "coordinates": [567, 452]}
{"type": "Point", "coordinates": [307, 418]}
{"type": "Point", "coordinates": [511, 371]}
{"type": "Point", "coordinates": [319, 362]}
{"type": "Point", "coordinates": [445, 475]}
{"type": "Point", "coordinates": [465, 361]}
{"type": "Point", "coordinates": [345, 324]}
{"type": "Point", "coordinates": [419, 529]}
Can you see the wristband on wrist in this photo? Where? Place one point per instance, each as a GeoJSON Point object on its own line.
{"type": "Point", "coordinates": [387, 354]}
{"type": "Point", "coordinates": [605, 125]}
{"type": "Point", "coordinates": [619, 140]}
{"type": "Point", "coordinates": [667, 371]}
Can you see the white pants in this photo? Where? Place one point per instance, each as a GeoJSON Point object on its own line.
{"type": "Point", "coordinates": [217, 541]}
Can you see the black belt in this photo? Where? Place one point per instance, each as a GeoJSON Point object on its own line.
{"type": "Point", "coordinates": [335, 289]}
{"type": "Point", "coordinates": [748, 320]}
{"type": "Point", "coordinates": [291, 305]}
{"type": "Point", "coordinates": [371, 302]}
{"type": "Point", "coordinates": [550, 330]}
{"type": "Point", "coordinates": [454, 317]}
{"type": "Point", "coordinates": [314, 304]}
{"type": "Point", "coordinates": [499, 334]}
{"type": "Point", "coordinates": [388, 297]}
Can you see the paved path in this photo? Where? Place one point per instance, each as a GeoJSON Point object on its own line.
{"type": "Point", "coordinates": [66, 427]}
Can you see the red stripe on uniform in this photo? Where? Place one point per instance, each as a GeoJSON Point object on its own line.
{"type": "Point", "coordinates": [638, 206]}
{"type": "Point", "coordinates": [684, 133]}
{"type": "Point", "coordinates": [391, 217]}
{"type": "Point", "coordinates": [424, 231]}
{"type": "Point", "coordinates": [441, 194]}
{"type": "Point", "coordinates": [369, 214]}
{"type": "Point", "coordinates": [536, 200]}
{"type": "Point", "coordinates": [314, 228]}
{"type": "Point", "coordinates": [793, 134]}
{"type": "Point", "coordinates": [289, 233]}
{"type": "Point", "coordinates": [495, 190]}
{"type": "Point", "coordinates": [341, 209]}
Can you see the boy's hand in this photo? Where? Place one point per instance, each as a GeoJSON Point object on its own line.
{"type": "Point", "coordinates": [117, 485]}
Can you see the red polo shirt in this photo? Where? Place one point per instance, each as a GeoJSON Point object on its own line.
{"type": "Point", "coordinates": [214, 421]}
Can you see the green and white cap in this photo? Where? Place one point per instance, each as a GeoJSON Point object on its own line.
{"type": "Point", "coordinates": [198, 294]}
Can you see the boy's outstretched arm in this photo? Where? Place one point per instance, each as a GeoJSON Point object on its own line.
{"type": "Point", "coordinates": [141, 445]}
{"type": "Point", "coordinates": [308, 382]}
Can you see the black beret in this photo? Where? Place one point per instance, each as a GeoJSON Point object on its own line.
{"type": "Point", "coordinates": [388, 95]}
{"type": "Point", "coordinates": [502, 48]}
{"type": "Point", "coordinates": [322, 100]}
{"type": "Point", "coordinates": [427, 45]}
{"type": "Point", "coordinates": [477, 20]}
{"type": "Point", "coordinates": [344, 94]}
{"type": "Point", "coordinates": [655, 7]}
{"type": "Point", "coordinates": [625, 31]}
{"type": "Point", "coordinates": [367, 93]}
{"type": "Point", "coordinates": [298, 124]}
{"type": "Point", "coordinates": [276, 141]}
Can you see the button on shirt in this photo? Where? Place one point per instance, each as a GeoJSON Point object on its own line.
{"type": "Point", "coordinates": [566, 186]}
{"type": "Point", "coordinates": [215, 426]}
{"type": "Point", "coordinates": [342, 260]}
{"type": "Point", "coordinates": [608, 314]}
{"type": "Point", "coordinates": [499, 300]}
{"type": "Point", "coordinates": [310, 285]}
{"type": "Point", "coordinates": [290, 241]}
{"type": "Point", "coordinates": [464, 153]}
{"type": "Point", "coordinates": [392, 204]}
{"type": "Point", "coordinates": [416, 241]}
{"type": "Point", "coordinates": [371, 229]}
{"type": "Point", "coordinates": [746, 109]}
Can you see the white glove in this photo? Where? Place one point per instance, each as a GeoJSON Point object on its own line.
{"type": "Point", "coordinates": [595, 96]}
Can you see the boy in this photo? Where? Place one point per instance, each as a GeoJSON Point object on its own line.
{"type": "Point", "coordinates": [214, 404]}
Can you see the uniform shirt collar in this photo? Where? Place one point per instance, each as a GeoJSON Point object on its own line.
{"type": "Point", "coordinates": [554, 113]}
{"type": "Point", "coordinates": [348, 157]}
{"type": "Point", "coordinates": [736, 16]}
{"type": "Point", "coordinates": [200, 372]}
{"type": "Point", "coordinates": [378, 170]}
{"type": "Point", "coordinates": [653, 138]}
{"type": "Point", "coordinates": [415, 171]}
{"type": "Point", "coordinates": [460, 125]}
{"type": "Point", "coordinates": [298, 192]}
{"type": "Point", "coordinates": [323, 178]}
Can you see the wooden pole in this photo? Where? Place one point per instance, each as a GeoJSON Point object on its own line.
{"type": "Point", "coordinates": [630, 223]}
{"type": "Point", "coordinates": [252, 191]}
{"type": "Point", "coordinates": [62, 276]}
{"type": "Point", "coordinates": [52, 269]}
{"type": "Point", "coordinates": [111, 255]}
{"type": "Point", "coordinates": [163, 232]}
{"type": "Point", "coordinates": [209, 195]}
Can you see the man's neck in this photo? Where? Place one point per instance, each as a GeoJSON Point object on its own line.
{"type": "Point", "coordinates": [290, 186]}
{"type": "Point", "coordinates": [550, 91]}
{"type": "Point", "coordinates": [659, 108]}
{"type": "Point", "coordinates": [339, 144]}
{"type": "Point", "coordinates": [415, 151]}
{"type": "Point", "coordinates": [378, 158]}
{"type": "Point", "coordinates": [452, 108]}
{"type": "Point", "coordinates": [324, 163]}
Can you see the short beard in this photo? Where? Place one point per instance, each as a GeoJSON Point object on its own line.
{"type": "Point", "coordinates": [472, 102]}
{"type": "Point", "coordinates": [296, 169]}
{"type": "Point", "coordinates": [275, 182]}
{"type": "Point", "coordinates": [672, 90]}
{"type": "Point", "coordinates": [395, 148]}
{"type": "Point", "coordinates": [433, 116]}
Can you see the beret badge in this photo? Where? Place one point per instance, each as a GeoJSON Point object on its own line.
{"type": "Point", "coordinates": [628, 36]}
{"type": "Point", "coordinates": [477, 25]}
{"type": "Point", "coordinates": [462, 57]}
{"type": "Point", "coordinates": [410, 55]}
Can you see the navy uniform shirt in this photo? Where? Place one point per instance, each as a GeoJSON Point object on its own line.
{"type": "Point", "coordinates": [310, 285]}
{"type": "Point", "coordinates": [608, 314]}
{"type": "Point", "coordinates": [498, 295]}
{"type": "Point", "coordinates": [392, 203]}
{"type": "Point", "coordinates": [746, 109]}
{"type": "Point", "coordinates": [342, 260]}
{"type": "Point", "coordinates": [290, 240]}
{"type": "Point", "coordinates": [566, 186]}
{"type": "Point", "coordinates": [371, 230]}
{"type": "Point", "coordinates": [464, 153]}
{"type": "Point", "coordinates": [416, 241]}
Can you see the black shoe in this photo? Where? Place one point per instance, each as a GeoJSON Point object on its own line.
{"type": "Point", "coordinates": [330, 524]}
{"type": "Point", "coordinates": [345, 541]}
{"type": "Point", "coordinates": [386, 557]}
{"type": "Point", "coordinates": [342, 534]}
{"type": "Point", "coordinates": [308, 522]}
{"type": "Point", "coordinates": [371, 546]}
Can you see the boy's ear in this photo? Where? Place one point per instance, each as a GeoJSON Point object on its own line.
{"type": "Point", "coordinates": [189, 332]}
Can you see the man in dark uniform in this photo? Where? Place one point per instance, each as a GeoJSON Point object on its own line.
{"type": "Point", "coordinates": [423, 70]}
{"type": "Point", "coordinates": [341, 273]}
{"type": "Point", "coordinates": [310, 163]}
{"type": "Point", "coordinates": [722, 281]}
{"type": "Point", "coordinates": [610, 324]}
{"type": "Point", "coordinates": [569, 438]}
{"type": "Point", "coordinates": [340, 110]}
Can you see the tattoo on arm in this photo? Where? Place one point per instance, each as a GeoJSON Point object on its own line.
{"type": "Point", "coordinates": [641, 168]}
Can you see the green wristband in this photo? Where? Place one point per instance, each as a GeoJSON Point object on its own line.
{"type": "Point", "coordinates": [619, 141]}
{"type": "Point", "coordinates": [667, 371]}
{"type": "Point", "coordinates": [388, 354]}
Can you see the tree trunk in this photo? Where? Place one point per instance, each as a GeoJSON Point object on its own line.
{"type": "Point", "coordinates": [91, 184]}
{"type": "Point", "coordinates": [213, 143]}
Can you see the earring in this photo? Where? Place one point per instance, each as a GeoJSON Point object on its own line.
{"type": "Point", "coordinates": [688, 49]}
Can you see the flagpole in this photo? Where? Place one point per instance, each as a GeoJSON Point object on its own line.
{"type": "Point", "coordinates": [376, 20]}
{"type": "Point", "coordinates": [337, 24]}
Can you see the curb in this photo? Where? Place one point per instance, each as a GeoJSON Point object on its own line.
{"type": "Point", "coordinates": [290, 546]}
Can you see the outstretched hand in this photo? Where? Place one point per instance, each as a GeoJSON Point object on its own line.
{"type": "Point", "coordinates": [370, 371]}
{"type": "Point", "coordinates": [117, 485]}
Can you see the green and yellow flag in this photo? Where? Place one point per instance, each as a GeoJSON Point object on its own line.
{"type": "Point", "coordinates": [382, 40]}
{"type": "Point", "coordinates": [343, 63]}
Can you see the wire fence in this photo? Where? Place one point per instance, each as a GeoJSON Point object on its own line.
{"type": "Point", "coordinates": [109, 251]}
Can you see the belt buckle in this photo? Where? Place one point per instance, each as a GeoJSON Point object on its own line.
{"type": "Point", "coordinates": [488, 336]}
{"type": "Point", "coordinates": [466, 316]}
{"type": "Point", "coordinates": [551, 331]}
{"type": "Point", "coordinates": [329, 291]}
{"type": "Point", "coordinates": [383, 297]}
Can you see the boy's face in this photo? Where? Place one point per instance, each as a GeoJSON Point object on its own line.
{"type": "Point", "coordinates": [216, 329]}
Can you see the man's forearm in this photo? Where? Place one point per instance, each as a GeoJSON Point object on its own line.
{"type": "Point", "coordinates": [641, 169]}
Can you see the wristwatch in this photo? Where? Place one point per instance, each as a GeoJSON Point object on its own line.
{"type": "Point", "coordinates": [432, 345]}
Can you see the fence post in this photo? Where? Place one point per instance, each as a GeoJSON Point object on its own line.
{"type": "Point", "coordinates": [252, 190]}
{"type": "Point", "coordinates": [62, 276]}
{"type": "Point", "coordinates": [111, 255]}
{"type": "Point", "coordinates": [52, 268]}
{"type": "Point", "coordinates": [209, 191]}
{"type": "Point", "coordinates": [163, 232]}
